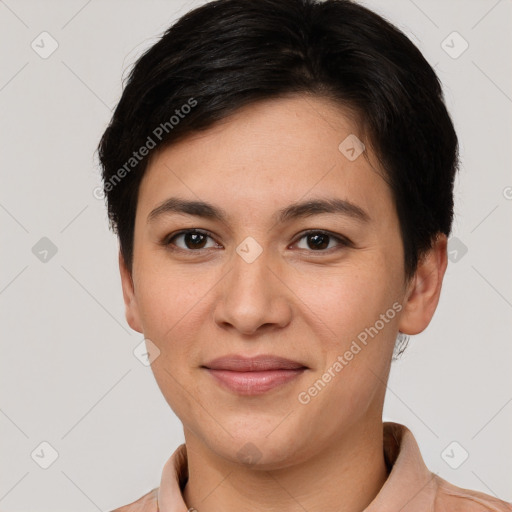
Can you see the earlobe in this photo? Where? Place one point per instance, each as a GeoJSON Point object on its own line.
{"type": "Point", "coordinates": [130, 301]}
{"type": "Point", "coordinates": [425, 288]}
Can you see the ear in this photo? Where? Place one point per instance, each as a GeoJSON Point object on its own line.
{"type": "Point", "coordinates": [130, 301]}
{"type": "Point", "coordinates": [424, 290]}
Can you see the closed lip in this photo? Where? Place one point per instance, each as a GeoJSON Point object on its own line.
{"type": "Point", "coordinates": [265, 362]}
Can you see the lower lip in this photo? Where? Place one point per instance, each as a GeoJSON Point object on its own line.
{"type": "Point", "coordinates": [254, 383]}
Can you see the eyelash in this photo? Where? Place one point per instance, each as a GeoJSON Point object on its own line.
{"type": "Point", "coordinates": [342, 241]}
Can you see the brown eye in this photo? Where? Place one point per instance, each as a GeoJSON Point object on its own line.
{"type": "Point", "coordinates": [192, 240]}
{"type": "Point", "coordinates": [321, 240]}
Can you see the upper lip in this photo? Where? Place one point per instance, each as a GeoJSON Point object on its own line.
{"type": "Point", "coordinates": [263, 362]}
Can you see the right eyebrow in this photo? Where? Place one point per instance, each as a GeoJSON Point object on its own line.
{"type": "Point", "coordinates": [197, 208]}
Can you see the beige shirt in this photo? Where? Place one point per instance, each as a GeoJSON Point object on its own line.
{"type": "Point", "coordinates": [410, 486]}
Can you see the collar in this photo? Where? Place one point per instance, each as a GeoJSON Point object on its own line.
{"type": "Point", "coordinates": [410, 486]}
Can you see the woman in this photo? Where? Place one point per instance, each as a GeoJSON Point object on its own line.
{"type": "Point", "coordinates": [280, 176]}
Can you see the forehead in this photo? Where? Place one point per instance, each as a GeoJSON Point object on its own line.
{"type": "Point", "coordinates": [267, 155]}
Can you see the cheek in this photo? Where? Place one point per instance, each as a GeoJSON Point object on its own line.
{"type": "Point", "coordinates": [168, 298]}
{"type": "Point", "coordinates": [174, 308]}
{"type": "Point", "coordinates": [346, 301]}
{"type": "Point", "coordinates": [172, 312]}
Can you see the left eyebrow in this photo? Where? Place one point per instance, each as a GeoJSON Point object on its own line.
{"type": "Point", "coordinates": [290, 212]}
{"type": "Point", "coordinates": [318, 206]}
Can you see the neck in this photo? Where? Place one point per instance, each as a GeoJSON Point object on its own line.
{"type": "Point", "coordinates": [343, 476]}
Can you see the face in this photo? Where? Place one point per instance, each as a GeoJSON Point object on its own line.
{"type": "Point", "coordinates": [322, 288]}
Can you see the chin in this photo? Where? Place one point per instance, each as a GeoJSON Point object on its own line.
{"type": "Point", "coordinates": [255, 446]}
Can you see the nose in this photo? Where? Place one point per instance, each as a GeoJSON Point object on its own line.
{"type": "Point", "coordinates": [252, 297]}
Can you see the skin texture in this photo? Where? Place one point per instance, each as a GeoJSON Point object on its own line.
{"type": "Point", "coordinates": [293, 300]}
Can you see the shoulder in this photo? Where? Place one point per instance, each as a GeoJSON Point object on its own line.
{"type": "Point", "coordinates": [451, 498]}
{"type": "Point", "coordinates": [148, 503]}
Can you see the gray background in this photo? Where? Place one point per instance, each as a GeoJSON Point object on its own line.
{"type": "Point", "coordinates": [68, 373]}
